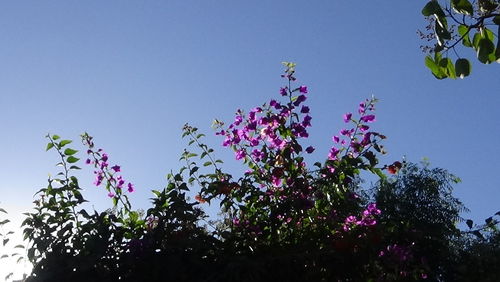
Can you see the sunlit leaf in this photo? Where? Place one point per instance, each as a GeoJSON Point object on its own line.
{"type": "Point", "coordinates": [462, 7]}
{"type": "Point", "coordinates": [72, 159]}
{"type": "Point", "coordinates": [69, 152]}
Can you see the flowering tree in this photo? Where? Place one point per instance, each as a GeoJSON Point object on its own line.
{"type": "Point", "coordinates": [283, 219]}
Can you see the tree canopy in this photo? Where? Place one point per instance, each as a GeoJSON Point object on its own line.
{"type": "Point", "coordinates": [460, 24]}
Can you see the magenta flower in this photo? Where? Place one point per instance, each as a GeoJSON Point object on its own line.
{"type": "Point", "coordinates": [237, 120]}
{"type": "Point", "coordinates": [368, 118]}
{"type": "Point", "coordinates": [120, 183]}
{"type": "Point", "coordinates": [336, 139]}
{"type": "Point", "coordinates": [240, 154]}
{"type": "Point", "coordinates": [116, 168]}
{"type": "Point", "coordinates": [257, 155]}
{"type": "Point", "coordinates": [304, 110]}
{"type": "Point", "coordinates": [362, 108]}
{"type": "Point", "coordinates": [332, 155]}
{"type": "Point", "coordinates": [276, 181]}
{"type": "Point", "coordinates": [111, 194]}
{"type": "Point", "coordinates": [347, 117]}
{"type": "Point", "coordinates": [310, 149]}
{"type": "Point", "coordinates": [303, 89]}
{"type": "Point", "coordinates": [284, 91]}
{"type": "Point", "coordinates": [130, 187]}
{"type": "Point", "coordinates": [363, 128]}
{"type": "Point", "coordinates": [104, 164]}
{"type": "Point", "coordinates": [300, 99]}
{"type": "Point", "coordinates": [307, 121]}
{"type": "Point", "coordinates": [345, 132]}
{"type": "Point", "coordinates": [254, 142]}
{"type": "Point", "coordinates": [104, 157]}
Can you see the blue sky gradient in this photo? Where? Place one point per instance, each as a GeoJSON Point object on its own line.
{"type": "Point", "coordinates": [131, 73]}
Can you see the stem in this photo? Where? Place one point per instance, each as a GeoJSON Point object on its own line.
{"type": "Point", "coordinates": [66, 178]}
{"type": "Point", "coordinates": [478, 24]}
{"type": "Point", "coordinates": [204, 150]}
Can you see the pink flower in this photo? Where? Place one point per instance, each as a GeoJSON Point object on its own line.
{"type": "Point", "coordinates": [347, 117]}
{"type": "Point", "coordinates": [368, 118]}
{"type": "Point", "coordinates": [240, 154]}
{"type": "Point", "coordinates": [284, 91]}
{"type": "Point", "coordinates": [130, 187]}
{"type": "Point", "coordinates": [332, 155]}
{"type": "Point", "coordinates": [303, 89]}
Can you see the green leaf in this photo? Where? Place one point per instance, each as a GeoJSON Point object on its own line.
{"type": "Point", "coordinates": [463, 32]}
{"type": "Point", "coordinates": [462, 7]}
{"type": "Point", "coordinates": [193, 170]}
{"type": "Point", "coordinates": [469, 223]}
{"type": "Point", "coordinates": [55, 137]}
{"type": "Point", "coordinates": [115, 201]}
{"type": "Point", "coordinates": [64, 143]}
{"type": "Point", "coordinates": [378, 172]}
{"type": "Point", "coordinates": [49, 146]}
{"type": "Point", "coordinates": [2, 210]}
{"type": "Point", "coordinates": [496, 20]}
{"type": "Point", "coordinates": [475, 40]}
{"type": "Point", "coordinates": [207, 163]}
{"type": "Point", "coordinates": [462, 68]}
{"type": "Point", "coordinates": [484, 50]}
{"type": "Point", "coordinates": [432, 8]}
{"type": "Point", "coordinates": [72, 159]}
{"type": "Point", "coordinates": [435, 69]}
{"type": "Point", "coordinates": [447, 67]}
{"type": "Point", "coordinates": [488, 34]}
{"type": "Point", "coordinates": [497, 52]}
{"type": "Point", "coordinates": [69, 152]}
{"type": "Point", "coordinates": [442, 34]}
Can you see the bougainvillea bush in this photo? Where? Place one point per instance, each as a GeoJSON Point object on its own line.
{"type": "Point", "coordinates": [282, 220]}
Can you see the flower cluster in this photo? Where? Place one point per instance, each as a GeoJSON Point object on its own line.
{"type": "Point", "coordinates": [114, 182]}
{"type": "Point", "coordinates": [267, 136]}
{"type": "Point", "coordinates": [287, 193]}
{"type": "Point", "coordinates": [359, 139]}
{"type": "Point", "coordinates": [367, 218]}
{"type": "Point", "coordinates": [399, 252]}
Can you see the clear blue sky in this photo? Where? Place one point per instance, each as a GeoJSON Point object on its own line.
{"type": "Point", "coordinates": [131, 73]}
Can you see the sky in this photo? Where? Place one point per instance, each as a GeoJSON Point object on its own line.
{"type": "Point", "coordinates": [132, 73]}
